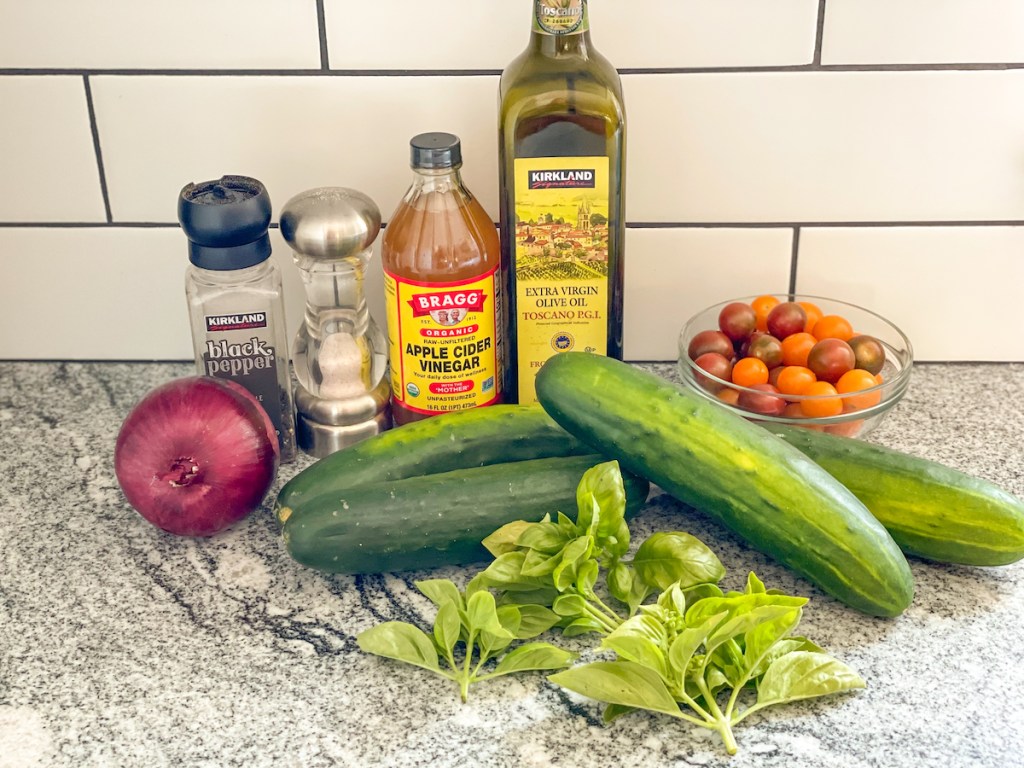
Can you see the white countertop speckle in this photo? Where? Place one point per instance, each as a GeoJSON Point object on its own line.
{"type": "Point", "coordinates": [121, 645]}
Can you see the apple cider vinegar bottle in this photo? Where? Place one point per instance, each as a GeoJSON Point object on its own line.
{"type": "Point", "coordinates": [562, 137]}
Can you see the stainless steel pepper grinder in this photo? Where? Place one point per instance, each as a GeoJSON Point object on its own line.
{"type": "Point", "coordinates": [339, 354]}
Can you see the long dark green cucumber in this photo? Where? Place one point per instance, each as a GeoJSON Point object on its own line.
{"type": "Point", "coordinates": [433, 520]}
{"type": "Point", "coordinates": [931, 510]}
{"type": "Point", "coordinates": [750, 481]}
{"type": "Point", "coordinates": [459, 440]}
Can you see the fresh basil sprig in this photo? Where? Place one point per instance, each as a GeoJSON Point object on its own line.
{"type": "Point", "coordinates": [484, 630]}
{"type": "Point", "coordinates": [559, 564]}
{"type": "Point", "coordinates": [705, 654]}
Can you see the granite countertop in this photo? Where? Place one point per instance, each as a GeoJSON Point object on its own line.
{"type": "Point", "coordinates": [124, 646]}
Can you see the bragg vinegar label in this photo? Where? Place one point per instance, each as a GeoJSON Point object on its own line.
{"type": "Point", "coordinates": [561, 261]}
{"type": "Point", "coordinates": [444, 343]}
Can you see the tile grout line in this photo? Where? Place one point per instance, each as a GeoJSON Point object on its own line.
{"type": "Point", "coordinates": [794, 260]}
{"type": "Point", "coordinates": [321, 23]}
{"type": "Point", "coordinates": [819, 33]}
{"type": "Point", "coordinates": [94, 128]}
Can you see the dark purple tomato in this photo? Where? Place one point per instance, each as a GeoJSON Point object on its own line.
{"type": "Point", "coordinates": [715, 364]}
{"type": "Point", "coordinates": [737, 320]}
{"type": "Point", "coordinates": [786, 319]}
{"type": "Point", "coordinates": [767, 349]}
{"type": "Point", "coordinates": [830, 359]}
{"type": "Point", "coordinates": [868, 353]}
{"type": "Point", "coordinates": [709, 341]}
{"type": "Point", "coordinates": [764, 401]}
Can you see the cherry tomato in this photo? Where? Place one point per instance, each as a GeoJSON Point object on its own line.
{"type": "Point", "coordinates": [737, 320]}
{"type": "Point", "coordinates": [795, 379]}
{"type": "Point", "coordinates": [814, 314]}
{"type": "Point", "coordinates": [715, 364]}
{"type": "Point", "coordinates": [855, 381]}
{"type": "Point", "coordinates": [846, 429]}
{"type": "Point", "coordinates": [749, 371]}
{"type": "Point", "coordinates": [709, 341]}
{"type": "Point", "coordinates": [765, 348]}
{"type": "Point", "coordinates": [833, 327]}
{"type": "Point", "coordinates": [869, 353]}
{"type": "Point", "coordinates": [762, 305]}
{"type": "Point", "coordinates": [830, 358]}
{"type": "Point", "coordinates": [729, 396]}
{"type": "Point", "coordinates": [786, 319]}
{"type": "Point", "coordinates": [825, 401]}
{"type": "Point", "coordinates": [796, 347]}
{"type": "Point", "coordinates": [764, 401]}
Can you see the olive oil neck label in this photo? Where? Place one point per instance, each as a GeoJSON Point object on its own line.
{"type": "Point", "coordinates": [444, 342]}
{"type": "Point", "coordinates": [560, 17]}
{"type": "Point", "coordinates": [562, 288]}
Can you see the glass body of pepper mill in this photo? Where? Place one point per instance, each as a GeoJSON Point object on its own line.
{"type": "Point", "coordinates": [339, 354]}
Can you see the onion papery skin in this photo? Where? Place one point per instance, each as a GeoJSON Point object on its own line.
{"type": "Point", "coordinates": [194, 456]}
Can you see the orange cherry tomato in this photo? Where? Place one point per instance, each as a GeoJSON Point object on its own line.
{"type": "Point", "coordinates": [833, 327]}
{"type": "Point", "coordinates": [762, 306]}
{"type": "Point", "coordinates": [814, 314]}
{"type": "Point", "coordinates": [730, 396]}
{"type": "Point", "coordinates": [749, 371]}
{"type": "Point", "coordinates": [795, 379]}
{"type": "Point", "coordinates": [796, 347]}
{"type": "Point", "coordinates": [826, 401]}
{"type": "Point", "coordinates": [854, 381]}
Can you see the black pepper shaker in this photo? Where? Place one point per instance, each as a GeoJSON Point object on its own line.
{"type": "Point", "coordinates": [235, 297]}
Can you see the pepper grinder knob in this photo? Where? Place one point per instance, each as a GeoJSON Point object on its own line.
{"type": "Point", "coordinates": [339, 354]}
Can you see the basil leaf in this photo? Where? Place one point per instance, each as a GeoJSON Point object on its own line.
{"type": "Point", "coordinates": [482, 615]}
{"type": "Point", "coordinates": [619, 682]}
{"type": "Point", "coordinates": [569, 605]}
{"type": "Point", "coordinates": [532, 657]}
{"type": "Point", "coordinates": [673, 599]}
{"type": "Point", "coordinates": [615, 711]}
{"type": "Point", "coordinates": [619, 581]}
{"type": "Point", "coordinates": [402, 642]}
{"type": "Point", "coordinates": [805, 675]}
{"type": "Point", "coordinates": [602, 484]}
{"type": "Point", "coordinates": [538, 564]}
{"type": "Point", "coordinates": [535, 619]}
{"type": "Point", "coordinates": [441, 591]}
{"type": "Point", "coordinates": [575, 552]}
{"type": "Point", "coordinates": [504, 570]}
{"type": "Point", "coordinates": [586, 577]}
{"type": "Point", "coordinates": [476, 584]}
{"type": "Point", "coordinates": [758, 641]}
{"type": "Point", "coordinates": [669, 557]}
{"type": "Point", "coordinates": [567, 526]}
{"type": "Point", "coordinates": [543, 537]}
{"type": "Point", "coordinates": [736, 604]}
{"type": "Point", "coordinates": [743, 623]}
{"type": "Point", "coordinates": [504, 539]}
{"type": "Point", "coordinates": [638, 649]}
{"type": "Point", "coordinates": [582, 626]}
{"type": "Point", "coordinates": [687, 642]}
{"type": "Point", "coordinates": [754, 584]}
{"type": "Point", "coordinates": [447, 627]}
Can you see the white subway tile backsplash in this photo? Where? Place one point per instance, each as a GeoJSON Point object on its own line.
{"type": "Point", "coordinates": [292, 133]}
{"type": "Point", "coordinates": [923, 31]}
{"type": "Point", "coordinates": [185, 34]}
{"type": "Point", "coordinates": [826, 146]}
{"type": "Point", "coordinates": [671, 274]}
{"type": "Point", "coordinates": [954, 291]}
{"type": "Point", "coordinates": [488, 34]}
{"type": "Point", "coordinates": [48, 168]}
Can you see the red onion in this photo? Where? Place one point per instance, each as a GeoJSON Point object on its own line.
{"type": "Point", "coordinates": [196, 455]}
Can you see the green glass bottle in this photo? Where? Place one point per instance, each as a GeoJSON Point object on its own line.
{"type": "Point", "coordinates": [562, 139]}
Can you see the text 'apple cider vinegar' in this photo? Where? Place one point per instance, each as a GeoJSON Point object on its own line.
{"type": "Point", "coordinates": [562, 140]}
{"type": "Point", "coordinates": [443, 286]}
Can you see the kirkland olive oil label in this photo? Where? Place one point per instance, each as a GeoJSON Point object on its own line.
{"type": "Point", "coordinates": [444, 343]}
{"type": "Point", "coordinates": [560, 17]}
{"type": "Point", "coordinates": [561, 260]}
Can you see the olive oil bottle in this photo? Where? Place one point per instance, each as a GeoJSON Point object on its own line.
{"type": "Point", "coordinates": [562, 138]}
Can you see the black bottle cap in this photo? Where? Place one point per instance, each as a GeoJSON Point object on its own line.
{"type": "Point", "coordinates": [436, 150]}
{"type": "Point", "coordinates": [226, 222]}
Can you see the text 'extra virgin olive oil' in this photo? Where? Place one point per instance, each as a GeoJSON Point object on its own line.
{"type": "Point", "coordinates": [562, 138]}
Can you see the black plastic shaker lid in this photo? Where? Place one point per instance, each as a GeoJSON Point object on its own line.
{"type": "Point", "coordinates": [226, 222]}
{"type": "Point", "coordinates": [436, 150]}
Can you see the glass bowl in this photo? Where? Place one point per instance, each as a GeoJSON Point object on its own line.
{"type": "Point", "coordinates": [861, 412]}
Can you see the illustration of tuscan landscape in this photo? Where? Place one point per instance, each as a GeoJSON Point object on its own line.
{"type": "Point", "coordinates": [553, 248]}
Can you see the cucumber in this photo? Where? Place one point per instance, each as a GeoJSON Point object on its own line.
{"type": "Point", "coordinates": [440, 519]}
{"type": "Point", "coordinates": [738, 473]}
{"type": "Point", "coordinates": [459, 440]}
{"type": "Point", "coordinates": [931, 510]}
